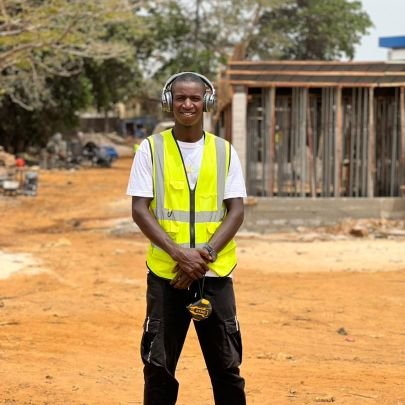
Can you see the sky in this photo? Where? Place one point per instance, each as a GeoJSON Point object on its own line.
{"type": "Point", "coordinates": [388, 17]}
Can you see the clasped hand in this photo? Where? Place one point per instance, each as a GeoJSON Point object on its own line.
{"type": "Point", "coordinates": [191, 265]}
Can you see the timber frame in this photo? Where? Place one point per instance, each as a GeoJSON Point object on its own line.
{"type": "Point", "coordinates": [315, 128]}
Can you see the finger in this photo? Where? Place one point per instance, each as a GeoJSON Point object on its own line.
{"type": "Point", "coordinates": [196, 271]}
{"type": "Point", "coordinates": [204, 254]}
{"type": "Point", "coordinates": [204, 267]}
{"type": "Point", "coordinates": [183, 282]}
{"type": "Point", "coordinates": [175, 279]}
{"type": "Point", "coordinates": [194, 275]}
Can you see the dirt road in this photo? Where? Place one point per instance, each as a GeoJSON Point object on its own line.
{"type": "Point", "coordinates": [322, 321]}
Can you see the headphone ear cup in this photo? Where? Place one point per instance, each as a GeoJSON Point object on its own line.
{"type": "Point", "coordinates": [167, 101]}
{"type": "Point", "coordinates": [209, 102]}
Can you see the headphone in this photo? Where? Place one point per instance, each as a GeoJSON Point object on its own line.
{"type": "Point", "coordinates": [167, 97]}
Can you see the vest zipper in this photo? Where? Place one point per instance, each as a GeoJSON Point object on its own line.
{"type": "Point", "coordinates": [192, 194]}
{"type": "Point", "coordinates": [192, 218]}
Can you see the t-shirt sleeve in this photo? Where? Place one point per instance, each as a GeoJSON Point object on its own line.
{"type": "Point", "coordinates": [235, 183]}
{"type": "Point", "coordinates": [140, 183]}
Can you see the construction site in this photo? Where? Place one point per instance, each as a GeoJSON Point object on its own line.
{"type": "Point", "coordinates": [321, 266]}
{"type": "Point", "coordinates": [320, 309]}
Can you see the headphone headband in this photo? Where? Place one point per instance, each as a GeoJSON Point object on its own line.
{"type": "Point", "coordinates": [167, 102]}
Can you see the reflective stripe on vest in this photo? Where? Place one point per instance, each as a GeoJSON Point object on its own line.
{"type": "Point", "coordinates": [189, 217]}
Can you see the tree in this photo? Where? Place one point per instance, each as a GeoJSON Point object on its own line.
{"type": "Point", "coordinates": [20, 127]}
{"type": "Point", "coordinates": [58, 57]}
{"type": "Point", "coordinates": [200, 36]}
{"type": "Point", "coordinates": [41, 39]}
{"type": "Point", "coordinates": [310, 30]}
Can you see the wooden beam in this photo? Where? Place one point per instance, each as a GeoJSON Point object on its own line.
{"type": "Point", "coordinates": [371, 161]}
{"type": "Point", "coordinates": [338, 144]}
{"type": "Point", "coordinates": [306, 62]}
{"type": "Point", "coordinates": [402, 141]}
{"type": "Point", "coordinates": [270, 130]}
{"type": "Point", "coordinates": [303, 101]}
{"type": "Point", "coordinates": [289, 84]}
{"type": "Point", "coordinates": [319, 73]}
{"type": "Point", "coordinates": [311, 162]}
{"type": "Point", "coordinates": [394, 144]}
{"type": "Point", "coordinates": [364, 143]}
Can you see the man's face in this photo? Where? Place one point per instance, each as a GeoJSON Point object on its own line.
{"type": "Point", "coordinates": [188, 103]}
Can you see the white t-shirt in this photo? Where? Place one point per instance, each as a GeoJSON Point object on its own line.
{"type": "Point", "coordinates": [140, 182]}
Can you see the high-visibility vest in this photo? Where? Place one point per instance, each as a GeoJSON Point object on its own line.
{"type": "Point", "coordinates": [189, 217]}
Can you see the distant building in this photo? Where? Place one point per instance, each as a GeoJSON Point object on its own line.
{"type": "Point", "coordinates": [396, 47]}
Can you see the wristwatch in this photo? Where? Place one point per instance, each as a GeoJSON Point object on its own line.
{"type": "Point", "coordinates": [212, 252]}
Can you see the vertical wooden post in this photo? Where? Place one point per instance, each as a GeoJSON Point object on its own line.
{"type": "Point", "coordinates": [322, 141]}
{"type": "Point", "coordinates": [371, 161]}
{"type": "Point", "coordinates": [352, 142]}
{"type": "Point", "coordinates": [286, 149]}
{"type": "Point", "coordinates": [364, 142]}
{"type": "Point", "coordinates": [358, 142]}
{"type": "Point", "coordinates": [270, 130]}
{"type": "Point", "coordinates": [402, 142]}
{"type": "Point", "coordinates": [394, 142]}
{"type": "Point", "coordinates": [338, 144]}
{"type": "Point", "coordinates": [311, 162]}
{"type": "Point", "coordinates": [294, 107]}
{"type": "Point", "coordinates": [303, 101]}
{"type": "Point", "coordinates": [329, 134]}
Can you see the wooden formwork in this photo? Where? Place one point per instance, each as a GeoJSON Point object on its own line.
{"type": "Point", "coordinates": [326, 143]}
{"type": "Point", "coordinates": [326, 133]}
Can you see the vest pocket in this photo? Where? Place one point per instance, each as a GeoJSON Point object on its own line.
{"type": "Point", "coordinates": [172, 229]}
{"type": "Point", "coordinates": [177, 184]}
{"type": "Point", "coordinates": [207, 202]}
{"type": "Point", "coordinates": [175, 195]}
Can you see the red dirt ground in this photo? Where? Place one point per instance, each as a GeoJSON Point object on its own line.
{"type": "Point", "coordinates": [70, 334]}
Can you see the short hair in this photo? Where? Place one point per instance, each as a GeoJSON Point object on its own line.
{"type": "Point", "coordinates": [189, 77]}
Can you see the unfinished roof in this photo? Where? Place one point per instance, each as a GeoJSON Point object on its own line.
{"type": "Point", "coordinates": [316, 74]}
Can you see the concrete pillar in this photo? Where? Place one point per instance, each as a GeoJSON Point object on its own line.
{"type": "Point", "coordinates": [239, 108]}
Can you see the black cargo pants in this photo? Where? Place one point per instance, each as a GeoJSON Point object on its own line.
{"type": "Point", "coordinates": [165, 330]}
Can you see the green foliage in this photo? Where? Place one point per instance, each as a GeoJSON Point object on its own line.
{"type": "Point", "coordinates": [311, 30]}
{"type": "Point", "coordinates": [20, 127]}
{"type": "Point", "coordinates": [58, 57]}
{"type": "Point", "coordinates": [47, 38]}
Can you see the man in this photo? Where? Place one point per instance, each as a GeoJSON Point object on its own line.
{"type": "Point", "coordinates": [187, 189]}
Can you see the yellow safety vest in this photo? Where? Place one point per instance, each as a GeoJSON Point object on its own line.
{"type": "Point", "coordinates": [189, 217]}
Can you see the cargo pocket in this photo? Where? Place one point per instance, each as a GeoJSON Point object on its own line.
{"type": "Point", "coordinates": [150, 350]}
{"type": "Point", "coordinates": [207, 202]}
{"type": "Point", "coordinates": [175, 196]}
{"type": "Point", "coordinates": [234, 343]}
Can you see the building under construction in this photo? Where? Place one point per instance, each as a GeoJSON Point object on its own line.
{"type": "Point", "coordinates": [316, 129]}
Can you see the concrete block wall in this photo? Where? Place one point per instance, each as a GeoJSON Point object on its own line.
{"type": "Point", "coordinates": [266, 215]}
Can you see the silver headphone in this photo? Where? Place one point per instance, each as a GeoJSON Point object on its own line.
{"type": "Point", "coordinates": [167, 97]}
